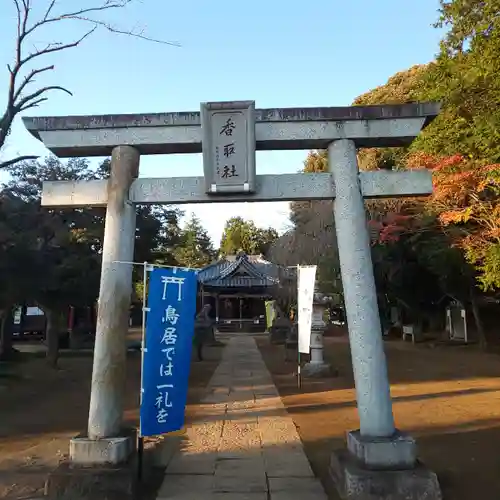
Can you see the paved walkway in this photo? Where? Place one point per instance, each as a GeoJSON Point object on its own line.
{"type": "Point", "coordinates": [242, 444]}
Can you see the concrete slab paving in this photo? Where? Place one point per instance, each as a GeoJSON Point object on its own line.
{"type": "Point", "coordinates": [242, 444]}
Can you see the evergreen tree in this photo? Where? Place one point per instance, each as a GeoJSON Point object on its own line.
{"type": "Point", "coordinates": [195, 247]}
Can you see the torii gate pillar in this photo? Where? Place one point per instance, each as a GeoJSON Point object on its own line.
{"type": "Point", "coordinates": [365, 335]}
{"type": "Point", "coordinates": [108, 374]}
{"type": "Point", "coordinates": [106, 441]}
{"type": "Point", "coordinates": [379, 458]}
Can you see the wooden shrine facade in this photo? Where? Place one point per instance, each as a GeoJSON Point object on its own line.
{"type": "Point", "coordinates": [237, 287]}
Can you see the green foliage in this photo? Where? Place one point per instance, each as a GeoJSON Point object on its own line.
{"type": "Point", "coordinates": [64, 245]}
{"type": "Point", "coordinates": [466, 79]}
{"type": "Point", "coordinates": [17, 248]}
{"type": "Point", "coordinates": [158, 230]}
{"type": "Point", "coordinates": [470, 24]}
{"type": "Point", "coordinates": [301, 212]}
{"type": "Point", "coordinates": [56, 255]}
{"type": "Point", "coordinates": [316, 161]}
{"type": "Point", "coordinates": [195, 248]}
{"type": "Point", "coordinates": [312, 239]}
{"type": "Point", "coordinates": [416, 265]}
{"type": "Point", "coordinates": [401, 88]}
{"type": "Point", "coordinates": [240, 235]}
{"type": "Point", "coordinates": [489, 268]}
{"type": "Point", "coordinates": [264, 238]}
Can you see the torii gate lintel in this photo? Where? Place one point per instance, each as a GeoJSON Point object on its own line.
{"type": "Point", "coordinates": [269, 188]}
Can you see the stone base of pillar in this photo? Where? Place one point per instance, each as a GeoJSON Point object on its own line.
{"type": "Point", "coordinates": [85, 451]}
{"type": "Point", "coordinates": [378, 469]}
{"type": "Point", "coordinates": [318, 370]}
{"type": "Point", "coordinates": [97, 469]}
{"type": "Point", "coordinates": [113, 482]}
{"type": "Point", "coordinates": [396, 452]}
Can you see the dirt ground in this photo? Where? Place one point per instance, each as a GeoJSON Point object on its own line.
{"type": "Point", "coordinates": [447, 397]}
{"type": "Point", "coordinates": [41, 409]}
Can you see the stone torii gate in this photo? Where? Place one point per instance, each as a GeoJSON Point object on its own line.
{"type": "Point", "coordinates": [379, 458]}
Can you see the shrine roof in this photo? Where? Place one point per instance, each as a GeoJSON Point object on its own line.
{"type": "Point", "coordinates": [241, 271]}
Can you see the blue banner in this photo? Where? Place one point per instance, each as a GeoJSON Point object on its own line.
{"type": "Point", "coordinates": [167, 354]}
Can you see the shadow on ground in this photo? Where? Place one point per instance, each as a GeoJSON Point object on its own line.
{"type": "Point", "coordinates": [448, 398]}
{"type": "Point", "coordinates": [41, 409]}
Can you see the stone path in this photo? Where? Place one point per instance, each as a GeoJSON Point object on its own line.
{"type": "Point", "coordinates": [242, 445]}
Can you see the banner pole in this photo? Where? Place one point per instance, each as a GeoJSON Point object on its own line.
{"type": "Point", "coordinates": [140, 439]}
{"type": "Point", "coordinates": [299, 375]}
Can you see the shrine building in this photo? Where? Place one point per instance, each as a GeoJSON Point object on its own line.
{"type": "Point", "coordinates": [237, 287]}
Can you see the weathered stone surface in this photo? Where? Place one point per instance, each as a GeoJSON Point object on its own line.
{"type": "Point", "coordinates": [278, 431]}
{"type": "Point", "coordinates": [292, 463]}
{"type": "Point", "coordinates": [175, 486]}
{"type": "Point", "coordinates": [318, 370]}
{"type": "Point", "coordinates": [356, 483]}
{"type": "Point", "coordinates": [184, 463]}
{"type": "Point", "coordinates": [252, 466]}
{"type": "Point", "coordinates": [305, 485]}
{"type": "Point", "coordinates": [165, 451]}
{"type": "Point", "coordinates": [99, 482]}
{"type": "Point", "coordinates": [235, 483]}
{"type": "Point", "coordinates": [86, 451]}
{"type": "Point", "coordinates": [242, 440]}
{"type": "Point", "coordinates": [239, 496]}
{"type": "Point", "coordinates": [396, 452]}
{"type": "Point", "coordinates": [298, 495]}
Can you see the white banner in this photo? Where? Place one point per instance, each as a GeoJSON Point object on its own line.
{"type": "Point", "coordinates": [305, 294]}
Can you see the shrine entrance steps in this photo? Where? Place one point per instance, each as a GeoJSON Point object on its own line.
{"type": "Point", "coordinates": [242, 444]}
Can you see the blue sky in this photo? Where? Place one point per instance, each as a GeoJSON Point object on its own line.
{"type": "Point", "coordinates": [278, 53]}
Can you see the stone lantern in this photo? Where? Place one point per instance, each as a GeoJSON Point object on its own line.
{"type": "Point", "coordinates": [317, 367]}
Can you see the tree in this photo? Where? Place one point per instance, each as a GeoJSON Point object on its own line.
{"type": "Point", "coordinates": [68, 275]}
{"type": "Point", "coordinates": [55, 252]}
{"type": "Point", "coordinates": [240, 235]}
{"type": "Point", "coordinates": [466, 201]}
{"type": "Point", "coordinates": [264, 238]}
{"type": "Point", "coordinates": [469, 24]}
{"type": "Point", "coordinates": [312, 240]}
{"type": "Point", "coordinates": [27, 65]}
{"type": "Point", "coordinates": [401, 88]}
{"type": "Point", "coordinates": [195, 248]}
{"type": "Point", "coordinates": [450, 239]}
{"type": "Point", "coordinates": [157, 233]}
{"type": "Point", "coordinates": [447, 244]}
{"type": "Point", "coordinates": [301, 211]}
{"type": "Point", "coordinates": [465, 78]}
{"type": "Point", "coordinates": [16, 263]}
{"type": "Point", "coordinates": [401, 276]}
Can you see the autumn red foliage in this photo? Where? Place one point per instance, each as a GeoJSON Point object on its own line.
{"type": "Point", "coordinates": [465, 204]}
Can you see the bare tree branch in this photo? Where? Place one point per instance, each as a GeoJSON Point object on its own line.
{"type": "Point", "coordinates": [26, 100]}
{"type": "Point", "coordinates": [17, 102]}
{"type": "Point", "coordinates": [119, 31]}
{"type": "Point", "coordinates": [49, 10]}
{"type": "Point", "coordinates": [33, 104]}
{"type": "Point", "coordinates": [8, 163]}
{"type": "Point", "coordinates": [84, 15]}
{"type": "Point", "coordinates": [29, 78]}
